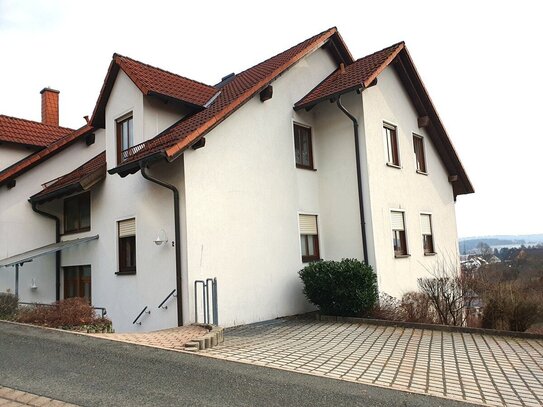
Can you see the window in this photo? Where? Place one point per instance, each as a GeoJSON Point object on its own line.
{"type": "Point", "coordinates": [391, 137]}
{"type": "Point", "coordinates": [418, 146]}
{"type": "Point", "coordinates": [127, 246]}
{"type": "Point", "coordinates": [77, 282]}
{"type": "Point", "coordinates": [427, 237]}
{"type": "Point", "coordinates": [77, 213]}
{"type": "Point", "coordinates": [309, 238]}
{"type": "Point", "coordinates": [398, 233]}
{"type": "Point", "coordinates": [303, 147]}
{"type": "Point", "coordinates": [125, 137]}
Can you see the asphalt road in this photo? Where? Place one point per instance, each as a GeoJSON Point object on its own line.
{"type": "Point", "coordinates": [94, 372]}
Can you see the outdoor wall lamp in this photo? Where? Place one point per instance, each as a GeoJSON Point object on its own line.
{"type": "Point", "coordinates": [34, 285]}
{"type": "Point", "coordinates": [161, 238]}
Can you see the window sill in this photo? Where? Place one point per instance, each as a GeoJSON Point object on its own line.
{"type": "Point", "coordinates": [394, 166]}
{"type": "Point", "coordinates": [422, 172]}
{"type": "Point", "coordinates": [125, 273]}
{"type": "Point", "coordinates": [73, 232]}
{"type": "Point", "coordinates": [401, 256]}
{"type": "Point", "coordinates": [430, 253]}
{"type": "Point", "coordinates": [303, 167]}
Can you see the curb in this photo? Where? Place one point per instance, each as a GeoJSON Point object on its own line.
{"type": "Point", "coordinates": [434, 327]}
{"type": "Point", "coordinates": [214, 337]}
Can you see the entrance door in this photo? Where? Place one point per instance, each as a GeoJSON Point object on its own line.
{"type": "Point", "coordinates": [77, 282]}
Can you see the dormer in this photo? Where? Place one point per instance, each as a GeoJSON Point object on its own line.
{"type": "Point", "coordinates": [138, 101]}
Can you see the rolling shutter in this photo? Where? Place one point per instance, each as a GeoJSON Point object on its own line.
{"type": "Point", "coordinates": [127, 228]}
{"type": "Point", "coordinates": [426, 224]}
{"type": "Point", "coordinates": [308, 225]}
{"type": "Point", "coordinates": [396, 219]}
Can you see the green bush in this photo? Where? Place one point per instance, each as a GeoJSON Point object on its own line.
{"type": "Point", "coordinates": [345, 288]}
{"type": "Point", "coordinates": [8, 305]}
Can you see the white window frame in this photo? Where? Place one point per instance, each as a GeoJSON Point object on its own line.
{"type": "Point", "coordinates": [432, 229]}
{"type": "Point", "coordinates": [403, 212]}
{"type": "Point", "coordinates": [387, 124]}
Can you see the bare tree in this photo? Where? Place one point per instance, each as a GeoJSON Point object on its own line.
{"type": "Point", "coordinates": [450, 291]}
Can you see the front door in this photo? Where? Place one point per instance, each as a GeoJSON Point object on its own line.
{"type": "Point", "coordinates": [77, 282]}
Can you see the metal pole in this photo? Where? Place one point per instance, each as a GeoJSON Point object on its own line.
{"type": "Point", "coordinates": [17, 280]}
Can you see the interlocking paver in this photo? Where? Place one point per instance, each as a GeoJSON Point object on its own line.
{"type": "Point", "coordinates": [15, 398]}
{"type": "Point", "coordinates": [476, 368]}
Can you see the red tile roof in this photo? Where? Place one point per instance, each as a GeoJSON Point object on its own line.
{"type": "Point", "coordinates": [358, 74]}
{"type": "Point", "coordinates": [234, 94]}
{"type": "Point", "coordinates": [27, 163]}
{"type": "Point", "coordinates": [82, 178]}
{"type": "Point", "coordinates": [30, 133]}
{"type": "Point", "coordinates": [152, 81]}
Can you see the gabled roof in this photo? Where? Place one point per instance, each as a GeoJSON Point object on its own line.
{"type": "Point", "coordinates": [359, 74]}
{"type": "Point", "coordinates": [27, 163]}
{"type": "Point", "coordinates": [80, 179]}
{"type": "Point", "coordinates": [28, 132]}
{"type": "Point", "coordinates": [151, 81]}
{"type": "Point", "coordinates": [174, 140]}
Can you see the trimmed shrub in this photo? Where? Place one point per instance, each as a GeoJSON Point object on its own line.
{"type": "Point", "coordinates": [8, 305]}
{"type": "Point", "coordinates": [344, 288]}
{"type": "Point", "coordinates": [71, 313]}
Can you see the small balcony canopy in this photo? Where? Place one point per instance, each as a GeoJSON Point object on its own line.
{"type": "Point", "coordinates": [30, 255]}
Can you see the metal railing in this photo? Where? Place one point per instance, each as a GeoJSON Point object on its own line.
{"type": "Point", "coordinates": [166, 299]}
{"type": "Point", "coordinates": [129, 152]}
{"type": "Point", "coordinates": [103, 311]}
{"type": "Point", "coordinates": [143, 311]}
{"type": "Point", "coordinates": [209, 301]}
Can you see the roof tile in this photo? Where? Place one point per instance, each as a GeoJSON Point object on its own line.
{"type": "Point", "coordinates": [28, 132]}
{"type": "Point", "coordinates": [155, 80]}
{"type": "Point", "coordinates": [96, 165]}
{"type": "Point", "coordinates": [360, 73]}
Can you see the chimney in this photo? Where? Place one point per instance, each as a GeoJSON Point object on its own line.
{"type": "Point", "coordinates": [49, 106]}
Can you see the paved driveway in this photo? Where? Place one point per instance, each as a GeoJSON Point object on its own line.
{"type": "Point", "coordinates": [476, 368]}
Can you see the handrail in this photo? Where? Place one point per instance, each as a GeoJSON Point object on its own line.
{"type": "Point", "coordinates": [144, 310]}
{"type": "Point", "coordinates": [103, 310]}
{"type": "Point", "coordinates": [166, 299]}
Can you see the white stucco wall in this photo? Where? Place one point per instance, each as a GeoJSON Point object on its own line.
{"type": "Point", "coordinates": [243, 196]}
{"type": "Point", "coordinates": [151, 205]}
{"type": "Point", "coordinates": [11, 153]}
{"type": "Point", "coordinates": [405, 189]}
{"type": "Point", "coordinates": [21, 229]}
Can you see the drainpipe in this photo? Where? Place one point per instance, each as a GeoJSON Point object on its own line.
{"type": "Point", "coordinates": [358, 176]}
{"type": "Point", "coordinates": [57, 254]}
{"type": "Point", "coordinates": [177, 239]}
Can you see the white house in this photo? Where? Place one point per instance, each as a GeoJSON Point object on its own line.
{"type": "Point", "coordinates": [173, 182]}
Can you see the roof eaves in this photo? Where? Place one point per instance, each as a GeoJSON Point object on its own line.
{"type": "Point", "coordinates": [384, 65]}
{"type": "Point", "coordinates": [98, 115]}
{"type": "Point", "coordinates": [451, 158]}
{"type": "Point", "coordinates": [134, 166]}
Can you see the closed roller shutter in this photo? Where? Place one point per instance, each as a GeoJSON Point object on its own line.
{"type": "Point", "coordinates": [127, 228]}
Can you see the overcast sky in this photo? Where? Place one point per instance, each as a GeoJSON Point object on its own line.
{"type": "Point", "coordinates": [481, 63]}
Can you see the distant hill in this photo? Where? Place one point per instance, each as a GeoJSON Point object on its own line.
{"type": "Point", "coordinates": [468, 244]}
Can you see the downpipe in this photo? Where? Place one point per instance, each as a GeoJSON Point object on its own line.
{"type": "Point", "coordinates": [358, 177]}
{"type": "Point", "coordinates": [178, 277]}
